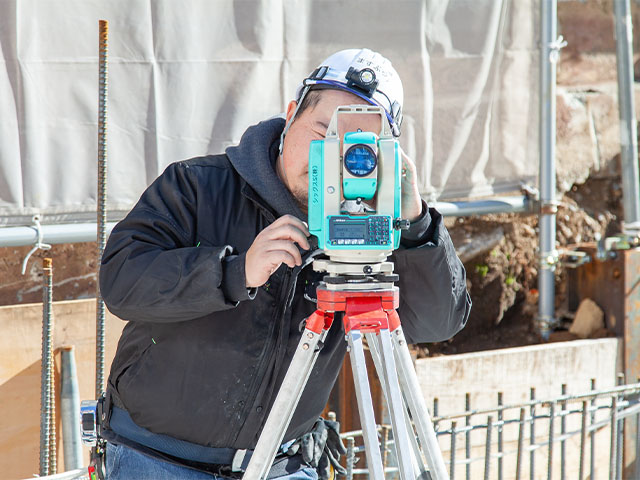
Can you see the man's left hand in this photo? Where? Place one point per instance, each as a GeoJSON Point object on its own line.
{"type": "Point", "coordinates": [411, 200]}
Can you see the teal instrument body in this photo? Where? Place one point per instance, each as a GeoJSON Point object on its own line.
{"type": "Point", "coordinates": [364, 170]}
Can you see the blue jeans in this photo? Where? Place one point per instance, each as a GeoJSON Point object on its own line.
{"type": "Point", "coordinates": [124, 463]}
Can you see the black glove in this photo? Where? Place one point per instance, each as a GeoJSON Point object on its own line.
{"type": "Point", "coordinates": [321, 448]}
{"type": "Point", "coordinates": [333, 449]}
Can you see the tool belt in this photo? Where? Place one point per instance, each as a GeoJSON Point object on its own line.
{"type": "Point", "coordinates": [228, 462]}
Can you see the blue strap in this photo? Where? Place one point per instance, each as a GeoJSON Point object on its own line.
{"type": "Point", "coordinates": [122, 424]}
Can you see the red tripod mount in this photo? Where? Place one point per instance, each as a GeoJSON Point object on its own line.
{"type": "Point", "coordinates": [366, 310]}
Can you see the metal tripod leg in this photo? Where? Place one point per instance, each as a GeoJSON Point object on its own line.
{"type": "Point", "coordinates": [417, 455]}
{"type": "Point", "coordinates": [417, 406]}
{"type": "Point", "coordinates": [395, 404]}
{"type": "Point", "coordinates": [284, 405]}
{"type": "Point", "coordinates": [365, 405]}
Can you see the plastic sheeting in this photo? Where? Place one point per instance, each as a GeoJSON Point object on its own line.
{"type": "Point", "coordinates": [187, 77]}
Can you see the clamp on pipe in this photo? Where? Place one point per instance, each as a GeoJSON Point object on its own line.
{"type": "Point", "coordinates": [549, 260]}
{"type": "Point", "coordinates": [555, 47]}
{"type": "Point", "coordinates": [39, 243]}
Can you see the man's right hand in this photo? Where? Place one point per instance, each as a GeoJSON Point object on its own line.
{"type": "Point", "coordinates": [274, 246]}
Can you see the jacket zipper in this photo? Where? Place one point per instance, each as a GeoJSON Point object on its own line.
{"type": "Point", "coordinates": [266, 358]}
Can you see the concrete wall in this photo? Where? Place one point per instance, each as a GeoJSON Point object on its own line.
{"type": "Point", "coordinates": [20, 362]}
{"type": "Point", "coordinates": [514, 371]}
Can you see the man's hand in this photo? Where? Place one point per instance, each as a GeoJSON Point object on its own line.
{"type": "Point", "coordinates": [411, 200]}
{"type": "Point", "coordinates": [274, 246]}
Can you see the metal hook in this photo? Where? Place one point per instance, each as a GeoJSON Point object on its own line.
{"type": "Point", "coordinates": [38, 245]}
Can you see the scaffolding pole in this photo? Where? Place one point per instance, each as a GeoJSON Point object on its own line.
{"type": "Point", "coordinates": [626, 109]}
{"type": "Point", "coordinates": [548, 255]}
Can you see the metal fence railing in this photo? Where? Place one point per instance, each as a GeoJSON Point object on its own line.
{"type": "Point", "coordinates": [590, 435]}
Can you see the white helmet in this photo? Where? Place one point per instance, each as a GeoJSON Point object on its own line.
{"type": "Point", "coordinates": [362, 72]}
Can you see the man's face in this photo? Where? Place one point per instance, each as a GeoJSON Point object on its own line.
{"type": "Point", "coordinates": [312, 125]}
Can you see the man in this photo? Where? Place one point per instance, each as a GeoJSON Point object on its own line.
{"type": "Point", "coordinates": [208, 268]}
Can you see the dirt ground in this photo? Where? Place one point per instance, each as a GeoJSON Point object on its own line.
{"type": "Point", "coordinates": [503, 281]}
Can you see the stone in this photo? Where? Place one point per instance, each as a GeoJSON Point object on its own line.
{"type": "Point", "coordinates": [589, 319]}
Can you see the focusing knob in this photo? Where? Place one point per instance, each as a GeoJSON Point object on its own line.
{"type": "Point", "coordinates": [401, 224]}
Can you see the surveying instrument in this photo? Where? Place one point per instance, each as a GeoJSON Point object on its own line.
{"type": "Point", "coordinates": [355, 212]}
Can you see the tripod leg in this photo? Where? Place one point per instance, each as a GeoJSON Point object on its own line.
{"type": "Point", "coordinates": [365, 405]}
{"type": "Point", "coordinates": [417, 456]}
{"type": "Point", "coordinates": [284, 405]}
{"type": "Point", "coordinates": [417, 406]}
{"type": "Point", "coordinates": [396, 406]}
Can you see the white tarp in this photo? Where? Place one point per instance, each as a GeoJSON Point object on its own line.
{"type": "Point", "coordinates": [186, 77]}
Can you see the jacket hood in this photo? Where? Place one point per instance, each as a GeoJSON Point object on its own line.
{"type": "Point", "coordinates": [254, 158]}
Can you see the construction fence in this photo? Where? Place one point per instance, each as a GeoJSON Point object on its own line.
{"type": "Point", "coordinates": [591, 435]}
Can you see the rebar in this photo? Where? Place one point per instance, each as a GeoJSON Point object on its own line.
{"type": "Point", "coordinates": [614, 437]}
{"type": "Point", "coordinates": [350, 461]}
{"type": "Point", "coordinates": [467, 435]}
{"type": "Point", "coordinates": [487, 449]}
{"type": "Point", "coordinates": [46, 381]}
{"type": "Point", "coordinates": [452, 463]}
{"type": "Point", "coordinates": [552, 418]}
{"type": "Point", "coordinates": [384, 448]}
{"type": "Point", "coordinates": [532, 437]}
{"type": "Point", "coordinates": [583, 438]}
{"type": "Point", "coordinates": [637, 461]}
{"type": "Point", "coordinates": [620, 440]}
{"type": "Point", "coordinates": [520, 444]}
{"type": "Point", "coordinates": [563, 430]}
{"type": "Point", "coordinates": [592, 435]}
{"type": "Point", "coordinates": [500, 446]}
{"type": "Point", "coordinates": [102, 196]}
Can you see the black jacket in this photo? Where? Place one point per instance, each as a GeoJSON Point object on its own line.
{"type": "Point", "coordinates": [202, 357]}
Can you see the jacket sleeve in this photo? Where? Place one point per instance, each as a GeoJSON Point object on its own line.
{"type": "Point", "coordinates": [153, 268]}
{"type": "Point", "coordinates": [434, 302]}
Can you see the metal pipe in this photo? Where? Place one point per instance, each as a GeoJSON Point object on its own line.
{"type": "Point", "coordinates": [626, 110]}
{"type": "Point", "coordinates": [51, 234]}
{"type": "Point", "coordinates": [548, 204]}
{"type": "Point", "coordinates": [103, 38]}
{"type": "Point", "coordinates": [87, 232]}
{"type": "Point", "coordinates": [46, 369]}
{"type": "Point", "coordinates": [515, 204]}
{"type": "Point", "coordinates": [70, 410]}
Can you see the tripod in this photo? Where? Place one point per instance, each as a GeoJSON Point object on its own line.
{"type": "Point", "coordinates": [369, 311]}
